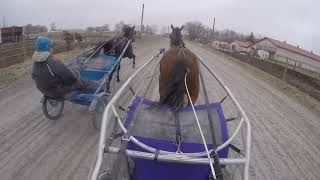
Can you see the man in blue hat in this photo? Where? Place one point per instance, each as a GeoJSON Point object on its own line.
{"type": "Point", "coordinates": [52, 77]}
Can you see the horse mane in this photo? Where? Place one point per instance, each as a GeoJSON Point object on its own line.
{"type": "Point", "coordinates": [176, 42]}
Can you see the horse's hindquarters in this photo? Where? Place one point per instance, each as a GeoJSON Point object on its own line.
{"type": "Point", "coordinates": [172, 75]}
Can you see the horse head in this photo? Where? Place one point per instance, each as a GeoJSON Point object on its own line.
{"type": "Point", "coordinates": [176, 36]}
{"type": "Point", "coordinates": [128, 31]}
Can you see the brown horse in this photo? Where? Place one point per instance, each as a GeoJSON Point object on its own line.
{"type": "Point", "coordinates": [174, 65]}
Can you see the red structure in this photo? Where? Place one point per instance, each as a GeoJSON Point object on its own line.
{"type": "Point", "coordinates": [11, 34]}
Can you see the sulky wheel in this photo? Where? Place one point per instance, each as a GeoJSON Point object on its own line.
{"type": "Point", "coordinates": [52, 109]}
{"type": "Point", "coordinates": [99, 108]}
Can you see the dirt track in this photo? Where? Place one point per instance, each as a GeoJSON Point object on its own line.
{"type": "Point", "coordinates": [285, 137]}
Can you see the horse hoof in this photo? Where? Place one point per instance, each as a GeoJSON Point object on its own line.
{"type": "Point", "coordinates": [118, 80]}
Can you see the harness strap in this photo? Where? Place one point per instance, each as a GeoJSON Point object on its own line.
{"type": "Point", "coordinates": [182, 50]}
{"type": "Point", "coordinates": [178, 131]}
{"type": "Point", "coordinates": [156, 155]}
{"type": "Point", "coordinates": [236, 149]}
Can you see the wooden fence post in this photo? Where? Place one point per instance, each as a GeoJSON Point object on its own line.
{"type": "Point", "coordinates": [74, 40]}
{"type": "Point", "coordinates": [285, 70]}
{"type": "Point", "coordinates": [24, 48]}
{"type": "Point", "coordinates": [22, 43]}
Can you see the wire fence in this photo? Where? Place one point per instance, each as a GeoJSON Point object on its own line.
{"type": "Point", "coordinates": [22, 50]}
{"type": "Point", "coordinates": [312, 70]}
{"type": "Point", "coordinates": [303, 76]}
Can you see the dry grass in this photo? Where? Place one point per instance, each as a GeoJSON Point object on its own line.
{"type": "Point", "coordinates": [17, 71]}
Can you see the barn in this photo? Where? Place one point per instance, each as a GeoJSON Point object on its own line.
{"type": "Point", "coordinates": [11, 34]}
{"type": "Point", "coordinates": [281, 51]}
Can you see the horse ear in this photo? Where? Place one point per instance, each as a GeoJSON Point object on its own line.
{"type": "Point", "coordinates": [181, 28]}
{"type": "Point", "coordinates": [171, 26]}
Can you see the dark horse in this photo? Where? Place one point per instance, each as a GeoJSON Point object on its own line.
{"type": "Point", "coordinates": [174, 65]}
{"type": "Point", "coordinates": [116, 45]}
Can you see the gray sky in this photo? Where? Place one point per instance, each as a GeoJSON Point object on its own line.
{"type": "Point", "coordinates": [296, 21]}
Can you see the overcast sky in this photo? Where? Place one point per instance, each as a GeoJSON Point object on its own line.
{"type": "Point", "coordinates": [296, 21]}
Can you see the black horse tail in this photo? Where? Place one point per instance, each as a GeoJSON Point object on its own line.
{"type": "Point", "coordinates": [175, 91]}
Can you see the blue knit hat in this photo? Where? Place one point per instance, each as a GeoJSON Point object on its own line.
{"type": "Point", "coordinates": [43, 44]}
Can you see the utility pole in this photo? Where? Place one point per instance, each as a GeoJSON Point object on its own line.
{"type": "Point", "coordinates": [4, 21]}
{"type": "Point", "coordinates": [141, 26]}
{"type": "Point", "coordinates": [214, 23]}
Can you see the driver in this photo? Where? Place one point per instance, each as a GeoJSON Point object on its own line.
{"type": "Point", "coordinates": [52, 77]}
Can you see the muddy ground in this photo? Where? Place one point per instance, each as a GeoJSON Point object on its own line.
{"type": "Point", "coordinates": [285, 125]}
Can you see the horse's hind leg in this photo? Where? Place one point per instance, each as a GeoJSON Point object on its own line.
{"type": "Point", "coordinates": [118, 72]}
{"type": "Point", "coordinates": [108, 83]}
{"type": "Point", "coordinates": [134, 61]}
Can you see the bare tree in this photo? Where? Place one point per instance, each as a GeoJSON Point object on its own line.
{"type": "Point", "coordinates": [251, 38]}
{"type": "Point", "coordinates": [53, 26]}
{"type": "Point", "coordinates": [33, 29]}
{"type": "Point", "coordinates": [68, 38]}
{"type": "Point", "coordinates": [194, 30]}
{"type": "Point", "coordinates": [164, 30]}
{"type": "Point", "coordinates": [99, 28]}
{"type": "Point", "coordinates": [154, 28]}
{"type": "Point", "coordinates": [148, 29]}
{"type": "Point", "coordinates": [91, 29]}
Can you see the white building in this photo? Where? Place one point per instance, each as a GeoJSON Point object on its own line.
{"type": "Point", "coordinates": [263, 54]}
{"type": "Point", "coordinates": [220, 44]}
{"type": "Point", "coordinates": [286, 53]}
{"type": "Point", "coordinates": [240, 46]}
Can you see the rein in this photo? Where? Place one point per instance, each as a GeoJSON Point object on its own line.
{"type": "Point", "coordinates": [199, 127]}
{"type": "Point", "coordinates": [114, 46]}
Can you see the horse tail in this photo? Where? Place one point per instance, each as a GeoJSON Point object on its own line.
{"type": "Point", "coordinates": [175, 92]}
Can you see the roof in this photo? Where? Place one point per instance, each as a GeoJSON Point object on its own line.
{"type": "Point", "coordinates": [222, 42]}
{"type": "Point", "coordinates": [292, 48]}
{"type": "Point", "coordinates": [244, 44]}
{"type": "Point", "coordinates": [11, 29]}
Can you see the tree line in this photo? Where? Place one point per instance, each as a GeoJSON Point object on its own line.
{"type": "Point", "coordinates": [99, 28]}
{"type": "Point", "coordinates": [196, 31]}
{"type": "Point", "coordinates": [193, 30]}
{"type": "Point", "coordinates": [33, 29]}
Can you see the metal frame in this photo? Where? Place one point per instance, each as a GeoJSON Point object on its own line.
{"type": "Point", "coordinates": [193, 158]}
{"type": "Point", "coordinates": [106, 76]}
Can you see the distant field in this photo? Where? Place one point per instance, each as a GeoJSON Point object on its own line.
{"type": "Point", "coordinates": [17, 71]}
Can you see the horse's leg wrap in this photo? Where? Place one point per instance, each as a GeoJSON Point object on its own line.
{"type": "Point", "coordinates": [118, 72]}
{"type": "Point", "coordinates": [134, 62]}
{"type": "Point", "coordinates": [108, 86]}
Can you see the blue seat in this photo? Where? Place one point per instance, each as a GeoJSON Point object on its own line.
{"type": "Point", "coordinates": [99, 66]}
